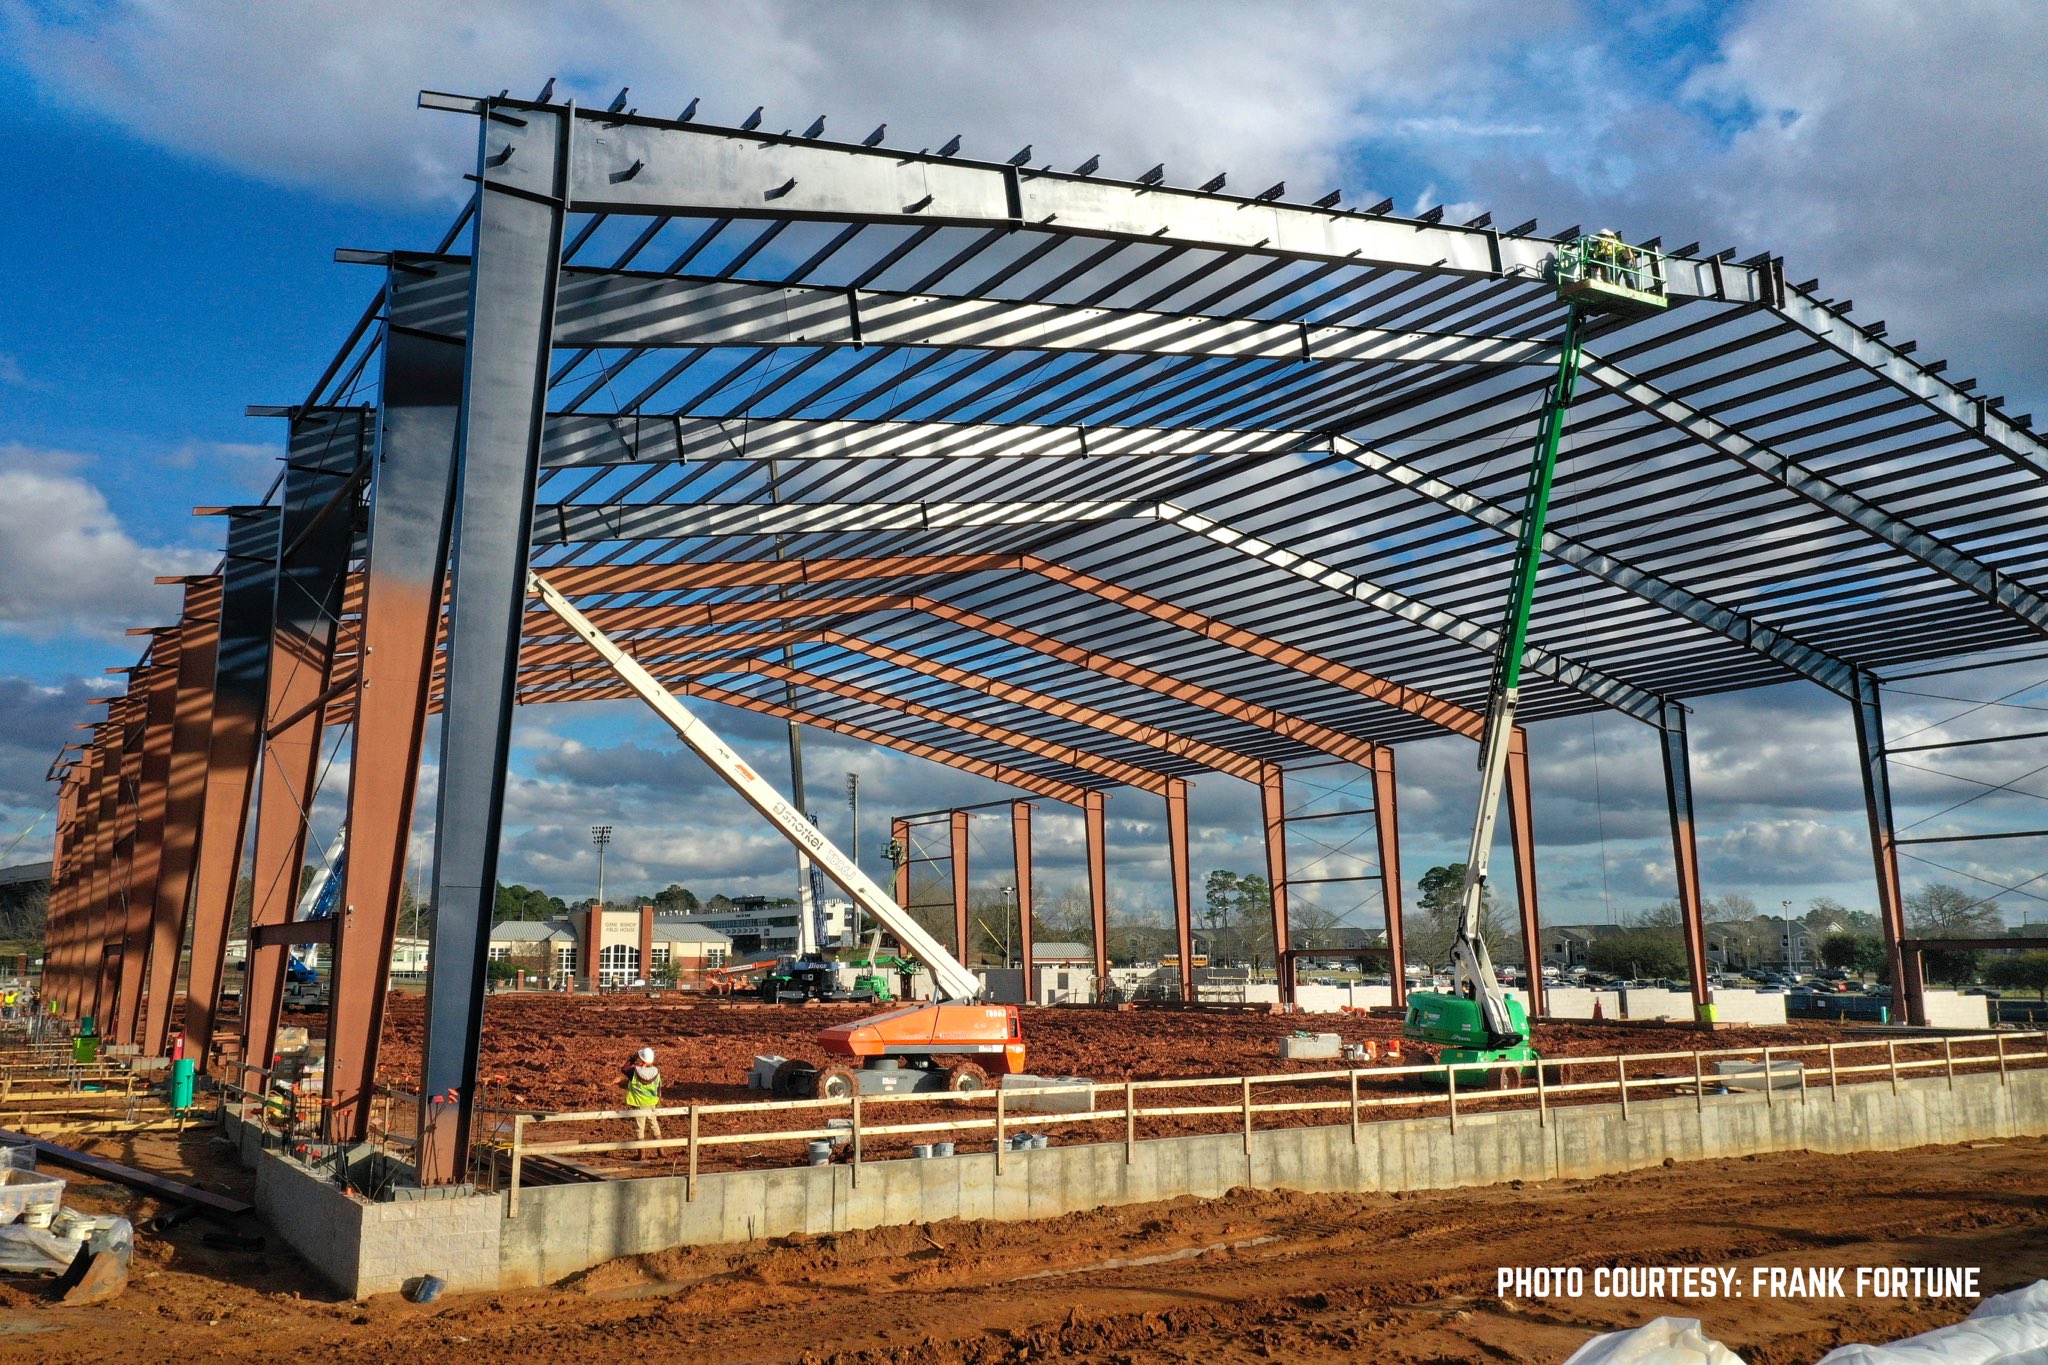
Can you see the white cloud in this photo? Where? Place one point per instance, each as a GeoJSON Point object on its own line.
{"type": "Point", "coordinates": [322, 94]}
{"type": "Point", "coordinates": [67, 564]}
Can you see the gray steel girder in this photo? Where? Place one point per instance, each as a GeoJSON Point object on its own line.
{"type": "Point", "coordinates": [1810, 662]}
{"type": "Point", "coordinates": [628, 164]}
{"type": "Point", "coordinates": [1973, 573]}
{"type": "Point", "coordinates": [605, 308]}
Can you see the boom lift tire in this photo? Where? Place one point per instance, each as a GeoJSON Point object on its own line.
{"type": "Point", "coordinates": [835, 1082]}
{"type": "Point", "coordinates": [966, 1078]}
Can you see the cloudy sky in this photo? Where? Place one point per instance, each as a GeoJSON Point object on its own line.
{"type": "Point", "coordinates": [179, 175]}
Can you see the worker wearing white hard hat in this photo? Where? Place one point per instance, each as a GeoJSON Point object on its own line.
{"type": "Point", "coordinates": [643, 1092]}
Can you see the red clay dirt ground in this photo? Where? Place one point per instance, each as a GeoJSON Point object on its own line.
{"type": "Point", "coordinates": [565, 1053]}
{"type": "Point", "coordinates": [1397, 1279]}
{"type": "Point", "coordinates": [556, 1053]}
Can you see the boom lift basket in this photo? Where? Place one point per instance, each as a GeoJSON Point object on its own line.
{"type": "Point", "coordinates": [1600, 272]}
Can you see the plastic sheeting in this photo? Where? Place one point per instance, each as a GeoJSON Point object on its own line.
{"type": "Point", "coordinates": [2005, 1329]}
{"type": "Point", "coordinates": [1661, 1341]}
{"type": "Point", "coordinates": [35, 1249]}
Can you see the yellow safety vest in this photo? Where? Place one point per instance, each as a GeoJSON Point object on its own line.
{"type": "Point", "coordinates": [642, 1094]}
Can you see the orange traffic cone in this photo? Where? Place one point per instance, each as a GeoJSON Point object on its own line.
{"type": "Point", "coordinates": [1598, 1013]}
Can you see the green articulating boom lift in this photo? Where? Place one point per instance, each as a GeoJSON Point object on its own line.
{"type": "Point", "coordinates": [1475, 1022]}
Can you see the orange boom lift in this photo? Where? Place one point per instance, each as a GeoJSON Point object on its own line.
{"type": "Point", "coordinates": [904, 1049]}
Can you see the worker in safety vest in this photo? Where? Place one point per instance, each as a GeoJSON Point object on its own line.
{"type": "Point", "coordinates": [643, 1091]}
{"type": "Point", "coordinates": [1612, 256]}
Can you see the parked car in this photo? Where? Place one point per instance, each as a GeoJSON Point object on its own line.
{"type": "Point", "coordinates": [1986, 992]}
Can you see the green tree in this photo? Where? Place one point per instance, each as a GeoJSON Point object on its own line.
{"type": "Point", "coordinates": [2020, 972]}
{"type": "Point", "coordinates": [676, 900]}
{"type": "Point", "coordinates": [1939, 910]}
{"type": "Point", "coordinates": [1853, 952]}
{"type": "Point", "coordinates": [1639, 952]}
{"type": "Point", "coordinates": [1433, 925]}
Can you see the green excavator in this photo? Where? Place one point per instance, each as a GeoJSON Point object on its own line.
{"type": "Point", "coordinates": [1475, 1022]}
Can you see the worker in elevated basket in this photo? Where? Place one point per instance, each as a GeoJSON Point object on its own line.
{"type": "Point", "coordinates": [643, 1091]}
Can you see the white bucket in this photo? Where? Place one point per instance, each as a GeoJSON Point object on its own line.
{"type": "Point", "coordinates": [38, 1215]}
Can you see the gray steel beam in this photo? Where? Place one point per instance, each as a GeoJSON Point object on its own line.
{"type": "Point", "coordinates": [1983, 579]}
{"type": "Point", "coordinates": [575, 439]}
{"type": "Point", "coordinates": [603, 308]}
{"type": "Point", "coordinates": [640, 165]}
{"type": "Point", "coordinates": [523, 173]}
{"type": "Point", "coordinates": [569, 523]}
{"type": "Point", "coordinates": [1833, 330]}
{"type": "Point", "coordinates": [1685, 855]}
{"type": "Point", "coordinates": [1808, 661]}
{"type": "Point", "coordinates": [1623, 696]}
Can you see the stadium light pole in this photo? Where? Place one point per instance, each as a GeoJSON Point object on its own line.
{"type": "Point", "coordinates": [600, 835]}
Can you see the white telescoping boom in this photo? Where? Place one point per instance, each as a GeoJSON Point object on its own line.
{"type": "Point", "coordinates": [952, 981]}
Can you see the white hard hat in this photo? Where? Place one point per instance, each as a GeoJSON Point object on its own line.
{"type": "Point", "coordinates": [646, 1055]}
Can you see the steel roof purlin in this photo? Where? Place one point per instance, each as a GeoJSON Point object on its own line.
{"type": "Point", "coordinates": [1106, 417]}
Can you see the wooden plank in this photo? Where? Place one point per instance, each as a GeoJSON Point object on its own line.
{"type": "Point", "coordinates": [163, 1187]}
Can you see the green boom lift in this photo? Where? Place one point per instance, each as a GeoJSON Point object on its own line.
{"type": "Point", "coordinates": [1475, 1021]}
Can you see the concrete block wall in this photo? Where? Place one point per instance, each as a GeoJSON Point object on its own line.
{"type": "Point", "coordinates": [1747, 1007]}
{"type": "Point", "coordinates": [565, 1228]}
{"type": "Point", "coordinates": [1951, 1009]}
{"type": "Point", "coordinates": [1576, 1002]}
{"type": "Point", "coordinates": [1652, 1002]}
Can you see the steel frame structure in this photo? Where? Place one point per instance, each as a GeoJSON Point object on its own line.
{"type": "Point", "coordinates": [800, 422]}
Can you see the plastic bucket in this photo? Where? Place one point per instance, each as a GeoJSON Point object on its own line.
{"type": "Point", "coordinates": [820, 1152]}
{"type": "Point", "coordinates": [942, 1149]}
{"type": "Point", "coordinates": [922, 1151]}
{"type": "Point", "coordinates": [1039, 1142]}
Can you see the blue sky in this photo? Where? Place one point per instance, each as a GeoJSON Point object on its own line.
{"type": "Point", "coordinates": [180, 175]}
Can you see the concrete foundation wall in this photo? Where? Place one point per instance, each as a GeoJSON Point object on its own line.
{"type": "Point", "coordinates": [365, 1248]}
{"type": "Point", "coordinates": [565, 1228]}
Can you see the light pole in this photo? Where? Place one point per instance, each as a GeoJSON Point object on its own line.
{"type": "Point", "coordinates": [1009, 918]}
{"type": "Point", "coordinates": [600, 835]}
{"type": "Point", "coordinates": [853, 800]}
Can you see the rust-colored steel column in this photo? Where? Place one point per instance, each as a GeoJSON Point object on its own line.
{"type": "Point", "coordinates": [1020, 849]}
{"type": "Point", "coordinates": [1685, 856]}
{"type": "Point", "coordinates": [67, 869]}
{"type": "Point", "coordinates": [956, 864]}
{"type": "Point", "coordinates": [1098, 885]}
{"type": "Point", "coordinates": [1179, 868]}
{"type": "Point", "coordinates": [1903, 967]}
{"type": "Point", "coordinates": [401, 617]}
{"type": "Point", "coordinates": [899, 831]}
{"type": "Point", "coordinates": [238, 691]}
{"type": "Point", "coordinates": [1522, 834]}
{"type": "Point", "coordinates": [62, 842]}
{"type": "Point", "coordinates": [1273, 807]}
{"type": "Point", "coordinates": [1386, 823]}
{"type": "Point", "coordinates": [327, 456]}
{"type": "Point", "coordinates": [184, 807]}
{"type": "Point", "coordinates": [86, 891]}
{"type": "Point", "coordinates": [146, 860]}
{"type": "Point", "coordinates": [113, 922]}
{"type": "Point", "coordinates": [646, 944]}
